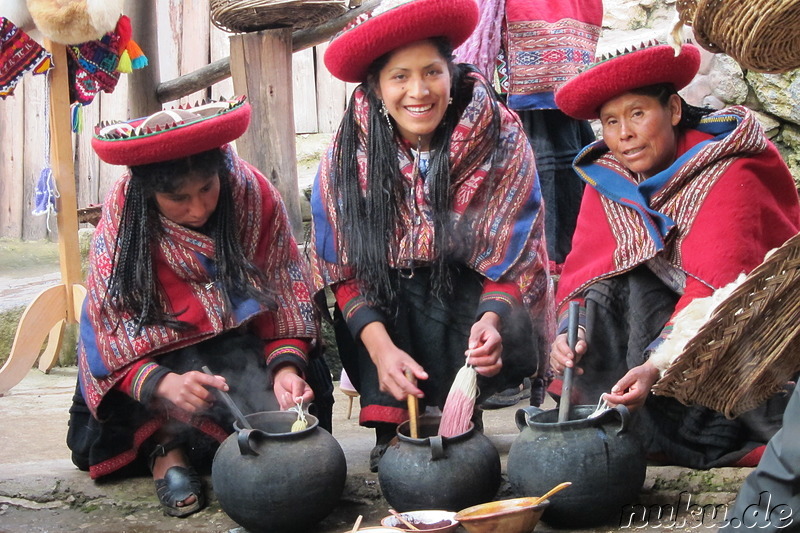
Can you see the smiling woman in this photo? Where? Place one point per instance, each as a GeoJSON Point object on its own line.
{"type": "Point", "coordinates": [427, 219]}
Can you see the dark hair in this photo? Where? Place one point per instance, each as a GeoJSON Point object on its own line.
{"type": "Point", "coordinates": [690, 115]}
{"type": "Point", "coordinates": [370, 220]}
{"type": "Point", "coordinates": [133, 285]}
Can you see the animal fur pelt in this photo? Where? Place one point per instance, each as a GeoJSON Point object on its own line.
{"type": "Point", "coordinates": [688, 322]}
{"type": "Point", "coordinates": [75, 21]}
{"type": "Point", "coordinates": [17, 12]}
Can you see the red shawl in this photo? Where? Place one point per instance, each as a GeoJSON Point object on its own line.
{"type": "Point", "coordinates": [732, 202]}
{"type": "Point", "coordinates": [182, 261]}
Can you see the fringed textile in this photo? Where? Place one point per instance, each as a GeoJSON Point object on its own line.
{"type": "Point", "coordinates": [184, 265]}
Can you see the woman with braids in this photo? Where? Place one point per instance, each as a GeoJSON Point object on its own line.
{"type": "Point", "coordinates": [192, 264]}
{"type": "Point", "coordinates": [679, 202]}
{"type": "Point", "coordinates": [427, 220]}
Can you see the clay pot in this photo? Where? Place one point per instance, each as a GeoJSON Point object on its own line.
{"type": "Point", "coordinates": [434, 472]}
{"type": "Point", "coordinates": [271, 479]}
{"type": "Point", "coordinates": [605, 463]}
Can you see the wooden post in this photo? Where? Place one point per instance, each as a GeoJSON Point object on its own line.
{"type": "Point", "coordinates": [47, 313]}
{"type": "Point", "coordinates": [261, 67]}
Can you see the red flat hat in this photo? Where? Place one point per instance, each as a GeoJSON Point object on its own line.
{"type": "Point", "coordinates": [582, 96]}
{"type": "Point", "coordinates": [370, 36]}
{"type": "Point", "coordinates": [172, 133]}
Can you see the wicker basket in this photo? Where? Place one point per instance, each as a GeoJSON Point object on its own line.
{"type": "Point", "coordinates": [241, 16]}
{"type": "Point", "coordinates": [762, 35]}
{"type": "Point", "coordinates": [750, 347]}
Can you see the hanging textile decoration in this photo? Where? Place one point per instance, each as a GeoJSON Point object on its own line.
{"type": "Point", "coordinates": [46, 191]}
{"type": "Point", "coordinates": [95, 66]}
{"type": "Point", "coordinates": [18, 55]}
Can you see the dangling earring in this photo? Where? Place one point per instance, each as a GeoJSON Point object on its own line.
{"type": "Point", "coordinates": [450, 101]}
{"type": "Point", "coordinates": [385, 113]}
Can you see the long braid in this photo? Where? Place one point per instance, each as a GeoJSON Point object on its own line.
{"type": "Point", "coordinates": [238, 275]}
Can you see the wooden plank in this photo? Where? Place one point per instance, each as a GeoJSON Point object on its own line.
{"type": "Point", "coordinates": [305, 96]}
{"type": "Point", "coordinates": [221, 48]}
{"type": "Point", "coordinates": [261, 66]}
{"type": "Point", "coordinates": [169, 14]}
{"type": "Point", "coordinates": [331, 95]}
{"type": "Point", "coordinates": [11, 162]}
{"type": "Point", "coordinates": [35, 126]}
{"type": "Point", "coordinates": [195, 43]}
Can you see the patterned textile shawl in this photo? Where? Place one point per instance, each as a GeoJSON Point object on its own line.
{"type": "Point", "coordinates": [184, 265]}
{"type": "Point", "coordinates": [546, 44]}
{"type": "Point", "coordinates": [725, 202]}
{"type": "Point", "coordinates": [497, 218]}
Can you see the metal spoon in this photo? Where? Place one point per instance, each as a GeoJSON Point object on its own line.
{"type": "Point", "coordinates": [237, 413]}
{"type": "Point", "coordinates": [557, 488]}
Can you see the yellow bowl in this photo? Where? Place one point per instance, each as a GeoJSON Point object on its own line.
{"type": "Point", "coordinates": [518, 515]}
{"type": "Point", "coordinates": [432, 521]}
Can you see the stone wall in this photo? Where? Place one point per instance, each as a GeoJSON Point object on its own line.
{"type": "Point", "coordinates": [721, 81]}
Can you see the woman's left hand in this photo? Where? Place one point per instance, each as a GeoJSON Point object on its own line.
{"type": "Point", "coordinates": [633, 388]}
{"type": "Point", "coordinates": [289, 387]}
{"type": "Point", "coordinates": [486, 345]}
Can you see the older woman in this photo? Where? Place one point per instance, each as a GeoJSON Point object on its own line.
{"type": "Point", "coordinates": [680, 202]}
{"type": "Point", "coordinates": [427, 219]}
{"type": "Point", "coordinates": [193, 264]}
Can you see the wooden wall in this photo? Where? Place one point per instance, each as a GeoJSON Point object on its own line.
{"type": "Point", "coordinates": [178, 38]}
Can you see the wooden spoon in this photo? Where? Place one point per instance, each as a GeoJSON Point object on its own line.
{"type": "Point", "coordinates": [412, 408]}
{"type": "Point", "coordinates": [557, 488]}
{"type": "Point", "coordinates": [357, 524]}
{"type": "Point", "coordinates": [403, 520]}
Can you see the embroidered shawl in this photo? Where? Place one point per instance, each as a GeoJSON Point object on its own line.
{"type": "Point", "coordinates": [497, 217]}
{"type": "Point", "coordinates": [184, 264]}
{"type": "Point", "coordinates": [546, 43]}
{"type": "Point", "coordinates": [727, 200]}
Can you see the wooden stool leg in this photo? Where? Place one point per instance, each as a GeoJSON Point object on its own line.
{"type": "Point", "coordinates": [349, 406]}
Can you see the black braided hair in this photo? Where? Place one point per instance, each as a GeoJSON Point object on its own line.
{"type": "Point", "coordinates": [133, 285]}
{"type": "Point", "coordinates": [369, 221]}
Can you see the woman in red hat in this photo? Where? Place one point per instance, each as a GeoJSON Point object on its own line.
{"type": "Point", "coordinates": [192, 264]}
{"type": "Point", "coordinates": [680, 201]}
{"type": "Point", "coordinates": [427, 219]}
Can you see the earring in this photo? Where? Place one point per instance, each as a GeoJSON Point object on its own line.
{"type": "Point", "coordinates": [385, 113]}
{"type": "Point", "coordinates": [450, 101]}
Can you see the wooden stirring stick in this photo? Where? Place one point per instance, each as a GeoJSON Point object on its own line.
{"type": "Point", "coordinates": [357, 524]}
{"type": "Point", "coordinates": [412, 408]}
{"type": "Point", "coordinates": [403, 520]}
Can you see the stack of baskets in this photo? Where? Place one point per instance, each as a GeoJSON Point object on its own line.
{"type": "Point", "coordinates": [762, 35]}
{"type": "Point", "coordinates": [750, 347]}
{"type": "Point", "coordinates": [242, 16]}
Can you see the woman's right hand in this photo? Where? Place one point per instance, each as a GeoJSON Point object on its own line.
{"type": "Point", "coordinates": [562, 357]}
{"type": "Point", "coordinates": [190, 391]}
{"type": "Point", "coordinates": [392, 363]}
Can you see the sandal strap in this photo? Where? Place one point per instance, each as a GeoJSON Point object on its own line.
{"type": "Point", "coordinates": [162, 448]}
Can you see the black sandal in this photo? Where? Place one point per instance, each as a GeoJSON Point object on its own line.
{"type": "Point", "coordinates": [177, 485]}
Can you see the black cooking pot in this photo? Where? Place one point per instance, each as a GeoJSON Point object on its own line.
{"type": "Point", "coordinates": [270, 479]}
{"type": "Point", "coordinates": [604, 461]}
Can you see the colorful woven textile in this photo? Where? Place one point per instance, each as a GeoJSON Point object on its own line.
{"type": "Point", "coordinates": [93, 67]}
{"type": "Point", "coordinates": [18, 55]}
{"type": "Point", "coordinates": [184, 264]}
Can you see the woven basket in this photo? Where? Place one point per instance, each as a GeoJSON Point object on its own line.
{"type": "Point", "coordinates": [241, 16]}
{"type": "Point", "coordinates": [762, 35]}
{"type": "Point", "coordinates": [750, 347]}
